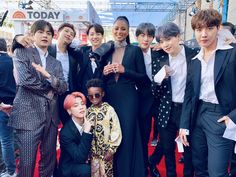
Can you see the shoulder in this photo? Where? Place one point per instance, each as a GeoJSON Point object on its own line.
{"type": "Point", "coordinates": [66, 128]}
{"type": "Point", "coordinates": [109, 107]}
{"type": "Point", "coordinates": [191, 50]}
{"type": "Point", "coordinates": [25, 53]}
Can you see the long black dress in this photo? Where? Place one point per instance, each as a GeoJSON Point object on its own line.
{"type": "Point", "coordinates": [122, 95]}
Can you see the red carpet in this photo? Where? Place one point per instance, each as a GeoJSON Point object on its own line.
{"type": "Point", "coordinates": [161, 166]}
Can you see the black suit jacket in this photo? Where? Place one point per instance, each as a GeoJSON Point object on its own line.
{"type": "Point", "coordinates": [74, 148]}
{"type": "Point", "coordinates": [163, 92]}
{"type": "Point", "coordinates": [224, 80]}
{"type": "Point", "coordinates": [147, 101]}
{"type": "Point", "coordinates": [7, 81]}
{"type": "Point", "coordinates": [75, 63]}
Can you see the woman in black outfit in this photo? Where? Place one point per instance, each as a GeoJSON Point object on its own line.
{"type": "Point", "coordinates": [124, 73]}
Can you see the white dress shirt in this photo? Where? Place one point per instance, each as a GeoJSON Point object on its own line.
{"type": "Point", "coordinates": [207, 90]}
{"type": "Point", "coordinates": [148, 63]}
{"type": "Point", "coordinates": [178, 79]}
{"type": "Point", "coordinates": [78, 126]}
{"type": "Point", "coordinates": [43, 55]}
{"type": "Point", "coordinates": [64, 59]}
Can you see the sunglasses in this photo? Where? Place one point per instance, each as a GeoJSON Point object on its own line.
{"type": "Point", "coordinates": [96, 95]}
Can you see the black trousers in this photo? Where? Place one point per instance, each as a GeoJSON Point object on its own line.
{"type": "Point", "coordinates": [211, 152]}
{"type": "Point", "coordinates": [167, 140]}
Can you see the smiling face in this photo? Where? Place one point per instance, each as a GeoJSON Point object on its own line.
{"type": "Point", "coordinates": [95, 95]}
{"type": "Point", "coordinates": [120, 30]}
{"type": "Point", "coordinates": [144, 41]}
{"type": "Point", "coordinates": [66, 35]}
{"type": "Point", "coordinates": [43, 38]}
{"type": "Point", "coordinates": [78, 110]}
{"type": "Point", "coordinates": [170, 44]}
{"type": "Point", "coordinates": [95, 37]}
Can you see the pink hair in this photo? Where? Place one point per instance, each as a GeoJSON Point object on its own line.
{"type": "Point", "coordinates": [70, 99]}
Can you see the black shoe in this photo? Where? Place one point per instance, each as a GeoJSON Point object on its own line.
{"type": "Point", "coordinates": [181, 160]}
{"type": "Point", "coordinates": [154, 171]}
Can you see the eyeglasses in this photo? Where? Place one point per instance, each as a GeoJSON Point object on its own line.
{"type": "Point", "coordinates": [96, 95]}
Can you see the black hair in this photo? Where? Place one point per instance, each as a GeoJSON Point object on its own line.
{"type": "Point", "coordinates": [167, 30]}
{"type": "Point", "coordinates": [3, 45]}
{"type": "Point", "coordinates": [95, 83]}
{"type": "Point", "coordinates": [125, 19]}
{"type": "Point", "coordinates": [41, 25]}
{"type": "Point", "coordinates": [97, 27]}
{"type": "Point", "coordinates": [148, 28]}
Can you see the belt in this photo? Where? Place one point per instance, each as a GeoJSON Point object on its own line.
{"type": "Point", "coordinates": [210, 106]}
{"type": "Point", "coordinates": [175, 104]}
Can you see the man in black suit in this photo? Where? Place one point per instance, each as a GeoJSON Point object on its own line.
{"type": "Point", "coordinates": [174, 59]}
{"type": "Point", "coordinates": [75, 139]}
{"type": "Point", "coordinates": [209, 103]}
{"type": "Point", "coordinates": [145, 34]}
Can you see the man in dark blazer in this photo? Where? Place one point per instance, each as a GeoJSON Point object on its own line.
{"type": "Point", "coordinates": [174, 59]}
{"type": "Point", "coordinates": [75, 139]}
{"type": "Point", "coordinates": [39, 79]}
{"type": "Point", "coordinates": [145, 34]}
{"type": "Point", "coordinates": [71, 59]}
{"type": "Point", "coordinates": [209, 103]}
{"type": "Point", "coordinates": [7, 94]}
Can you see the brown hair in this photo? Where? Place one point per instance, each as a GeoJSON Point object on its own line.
{"type": "Point", "coordinates": [41, 25]}
{"type": "Point", "coordinates": [70, 99]}
{"type": "Point", "coordinates": [206, 18]}
{"type": "Point", "coordinates": [69, 25]}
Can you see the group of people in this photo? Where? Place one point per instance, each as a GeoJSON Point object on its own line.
{"type": "Point", "coordinates": [188, 91]}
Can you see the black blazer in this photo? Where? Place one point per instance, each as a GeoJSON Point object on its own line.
{"type": "Point", "coordinates": [7, 81]}
{"type": "Point", "coordinates": [74, 148]}
{"type": "Point", "coordinates": [75, 63]}
{"type": "Point", "coordinates": [147, 100]}
{"type": "Point", "coordinates": [163, 92]}
{"type": "Point", "coordinates": [224, 80]}
{"type": "Point", "coordinates": [85, 73]}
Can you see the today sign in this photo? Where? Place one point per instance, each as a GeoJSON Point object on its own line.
{"type": "Point", "coordinates": [32, 15]}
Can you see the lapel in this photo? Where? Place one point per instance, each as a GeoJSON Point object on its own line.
{"type": "Point", "coordinates": [196, 72]}
{"type": "Point", "coordinates": [164, 60]}
{"type": "Point", "coordinates": [221, 60]}
{"type": "Point", "coordinates": [37, 60]}
{"type": "Point", "coordinates": [49, 64]}
{"type": "Point", "coordinates": [36, 56]}
{"type": "Point", "coordinates": [74, 130]}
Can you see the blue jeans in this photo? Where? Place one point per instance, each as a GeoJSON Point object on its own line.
{"type": "Point", "coordinates": [7, 143]}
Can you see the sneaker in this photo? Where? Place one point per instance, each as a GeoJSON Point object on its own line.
{"type": "Point", "coordinates": [6, 174]}
{"type": "Point", "coordinates": [154, 142]}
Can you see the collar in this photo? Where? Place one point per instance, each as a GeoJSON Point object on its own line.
{"type": "Point", "coordinates": [221, 45]}
{"type": "Point", "coordinates": [58, 50]}
{"type": "Point", "coordinates": [148, 52]}
{"type": "Point", "coordinates": [181, 53]}
{"type": "Point", "coordinates": [78, 126]}
{"type": "Point", "coordinates": [41, 52]}
{"type": "Point", "coordinates": [120, 44]}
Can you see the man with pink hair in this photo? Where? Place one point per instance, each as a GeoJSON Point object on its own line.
{"type": "Point", "coordinates": [75, 139]}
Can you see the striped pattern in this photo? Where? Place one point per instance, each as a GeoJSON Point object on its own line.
{"type": "Point", "coordinates": [35, 112]}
